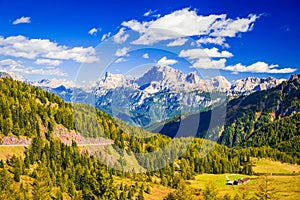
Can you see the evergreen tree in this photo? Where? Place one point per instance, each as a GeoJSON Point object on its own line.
{"type": "Point", "coordinates": [265, 190]}
{"type": "Point", "coordinates": [42, 184]}
{"type": "Point", "coordinates": [210, 191]}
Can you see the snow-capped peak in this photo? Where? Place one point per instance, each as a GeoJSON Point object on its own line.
{"type": "Point", "coordinates": [251, 84]}
{"type": "Point", "coordinates": [112, 80]}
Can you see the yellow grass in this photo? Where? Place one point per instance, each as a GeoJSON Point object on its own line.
{"type": "Point", "coordinates": [157, 192]}
{"type": "Point", "coordinates": [276, 167]}
{"type": "Point", "coordinates": [6, 151]}
{"type": "Point", "coordinates": [286, 187]}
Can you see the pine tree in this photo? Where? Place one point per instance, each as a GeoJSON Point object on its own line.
{"type": "Point", "coordinates": [140, 195]}
{"type": "Point", "coordinates": [42, 184]}
{"type": "Point", "coordinates": [6, 190]}
{"type": "Point", "coordinates": [265, 190]}
{"type": "Point", "coordinates": [210, 191]}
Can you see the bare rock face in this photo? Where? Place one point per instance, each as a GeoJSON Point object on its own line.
{"type": "Point", "coordinates": [295, 77]}
{"type": "Point", "coordinates": [252, 84]}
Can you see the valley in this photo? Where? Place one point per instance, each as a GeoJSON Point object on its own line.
{"type": "Point", "coordinates": [149, 100]}
{"type": "Point", "coordinates": [138, 163]}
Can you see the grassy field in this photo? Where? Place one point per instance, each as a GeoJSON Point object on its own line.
{"type": "Point", "coordinates": [268, 166]}
{"type": "Point", "coordinates": [285, 178]}
{"type": "Point", "coordinates": [158, 192]}
{"type": "Point", "coordinates": [6, 151]}
{"type": "Point", "coordinates": [286, 187]}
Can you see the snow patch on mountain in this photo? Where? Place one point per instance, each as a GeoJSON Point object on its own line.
{"type": "Point", "coordinates": [252, 84]}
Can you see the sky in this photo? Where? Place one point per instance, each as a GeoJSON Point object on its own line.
{"type": "Point", "coordinates": [74, 40]}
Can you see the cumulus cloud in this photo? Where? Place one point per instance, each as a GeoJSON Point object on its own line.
{"type": "Point", "coordinates": [204, 53]}
{"type": "Point", "coordinates": [213, 40]}
{"type": "Point", "coordinates": [177, 42]}
{"type": "Point", "coordinates": [229, 27]}
{"type": "Point", "coordinates": [122, 52]}
{"type": "Point", "coordinates": [185, 23]}
{"type": "Point", "coordinates": [206, 63]}
{"type": "Point", "coordinates": [22, 20]}
{"type": "Point", "coordinates": [165, 61]}
{"type": "Point", "coordinates": [105, 36]}
{"type": "Point", "coordinates": [93, 31]}
{"type": "Point", "coordinates": [146, 55]}
{"type": "Point", "coordinates": [20, 46]}
{"type": "Point", "coordinates": [259, 67]}
{"type": "Point", "coordinates": [17, 67]}
{"type": "Point", "coordinates": [136, 25]}
{"type": "Point", "coordinates": [48, 62]}
{"type": "Point", "coordinates": [121, 37]}
{"type": "Point", "coordinates": [202, 58]}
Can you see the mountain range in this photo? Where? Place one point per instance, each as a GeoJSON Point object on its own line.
{"type": "Point", "coordinates": [52, 126]}
{"type": "Point", "coordinates": [159, 94]}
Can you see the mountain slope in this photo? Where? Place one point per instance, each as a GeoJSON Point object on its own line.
{"type": "Point", "coordinates": [248, 115]}
{"type": "Point", "coordinates": [282, 134]}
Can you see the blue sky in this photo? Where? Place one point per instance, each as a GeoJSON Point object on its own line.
{"type": "Point", "coordinates": [59, 39]}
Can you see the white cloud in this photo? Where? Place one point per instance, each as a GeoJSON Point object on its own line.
{"type": "Point", "coordinates": [48, 62]}
{"type": "Point", "coordinates": [122, 52]}
{"type": "Point", "coordinates": [119, 60]}
{"type": "Point", "coordinates": [17, 67]}
{"type": "Point", "coordinates": [177, 42]}
{"type": "Point", "coordinates": [22, 20]}
{"type": "Point", "coordinates": [204, 53]}
{"type": "Point", "coordinates": [20, 46]}
{"type": "Point", "coordinates": [105, 36]}
{"type": "Point", "coordinates": [201, 58]}
{"type": "Point", "coordinates": [213, 40]}
{"type": "Point", "coordinates": [206, 63]}
{"type": "Point", "coordinates": [165, 61]}
{"type": "Point", "coordinates": [259, 67]}
{"type": "Point", "coordinates": [136, 25]}
{"type": "Point", "coordinates": [186, 22]}
{"type": "Point", "coordinates": [148, 13]}
{"type": "Point", "coordinates": [121, 37]}
{"type": "Point", "coordinates": [78, 54]}
{"type": "Point", "coordinates": [229, 27]}
{"type": "Point", "coordinates": [146, 55]}
{"type": "Point", "coordinates": [93, 31]}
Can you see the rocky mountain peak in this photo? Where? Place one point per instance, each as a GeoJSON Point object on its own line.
{"type": "Point", "coordinates": [112, 80]}
{"type": "Point", "coordinates": [250, 84]}
{"type": "Point", "coordinates": [4, 75]}
{"type": "Point", "coordinates": [295, 77]}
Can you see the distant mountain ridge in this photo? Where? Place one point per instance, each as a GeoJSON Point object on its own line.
{"type": "Point", "coordinates": [160, 93]}
{"type": "Point", "coordinates": [251, 84]}
{"type": "Point", "coordinates": [4, 75]}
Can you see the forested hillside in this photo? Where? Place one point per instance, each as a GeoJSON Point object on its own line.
{"type": "Point", "coordinates": [250, 113]}
{"type": "Point", "coordinates": [282, 134]}
{"type": "Point", "coordinates": [265, 118]}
